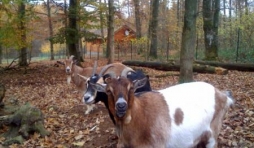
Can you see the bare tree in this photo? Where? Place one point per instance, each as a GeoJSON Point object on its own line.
{"type": "Point", "coordinates": [188, 40]}
{"type": "Point", "coordinates": [110, 38]}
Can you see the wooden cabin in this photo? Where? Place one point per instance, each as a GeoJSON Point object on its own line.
{"type": "Point", "coordinates": [124, 34]}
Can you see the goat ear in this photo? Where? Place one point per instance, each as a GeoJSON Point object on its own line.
{"type": "Point", "coordinates": [107, 78]}
{"type": "Point", "coordinates": [75, 61]}
{"type": "Point", "coordinates": [83, 77]}
{"type": "Point", "coordinates": [139, 83]}
{"type": "Point", "coordinates": [99, 87]}
{"type": "Point", "coordinates": [61, 62]}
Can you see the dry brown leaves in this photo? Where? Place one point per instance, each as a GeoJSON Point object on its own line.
{"type": "Point", "coordinates": [45, 87]}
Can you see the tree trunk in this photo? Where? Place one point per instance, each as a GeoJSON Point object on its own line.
{"type": "Point", "coordinates": [66, 26]}
{"type": "Point", "coordinates": [1, 54]}
{"type": "Point", "coordinates": [178, 12]}
{"type": "Point", "coordinates": [211, 28]}
{"type": "Point", "coordinates": [110, 39]}
{"type": "Point", "coordinates": [246, 7]}
{"type": "Point", "coordinates": [137, 18]}
{"type": "Point", "coordinates": [174, 66]}
{"type": "Point", "coordinates": [163, 31]}
{"type": "Point", "coordinates": [153, 23]}
{"type": "Point", "coordinates": [230, 24]}
{"type": "Point", "coordinates": [72, 38]}
{"type": "Point", "coordinates": [239, 9]}
{"type": "Point", "coordinates": [50, 31]}
{"type": "Point", "coordinates": [188, 40]}
{"type": "Point", "coordinates": [101, 22]}
{"type": "Point", "coordinates": [22, 28]}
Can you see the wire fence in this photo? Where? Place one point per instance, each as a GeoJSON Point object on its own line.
{"type": "Point", "coordinates": [236, 50]}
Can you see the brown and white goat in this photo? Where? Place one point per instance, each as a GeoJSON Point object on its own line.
{"type": "Point", "coordinates": [74, 71]}
{"type": "Point", "coordinates": [183, 116]}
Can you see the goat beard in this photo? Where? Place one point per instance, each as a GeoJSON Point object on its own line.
{"type": "Point", "coordinates": [68, 79]}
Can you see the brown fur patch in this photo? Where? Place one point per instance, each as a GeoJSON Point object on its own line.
{"type": "Point", "coordinates": [178, 116]}
{"type": "Point", "coordinates": [220, 110]}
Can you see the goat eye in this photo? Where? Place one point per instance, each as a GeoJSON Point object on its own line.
{"type": "Point", "coordinates": [108, 91]}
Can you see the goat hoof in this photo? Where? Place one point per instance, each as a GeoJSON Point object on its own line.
{"type": "Point", "coordinates": [114, 137]}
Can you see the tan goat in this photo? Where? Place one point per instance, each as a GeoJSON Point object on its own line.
{"type": "Point", "coordinates": [183, 116]}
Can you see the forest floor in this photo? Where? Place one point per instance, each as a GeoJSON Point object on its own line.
{"type": "Point", "coordinates": [44, 85]}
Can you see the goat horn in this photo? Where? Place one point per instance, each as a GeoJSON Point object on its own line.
{"type": "Point", "coordinates": [94, 67]}
{"type": "Point", "coordinates": [111, 74]}
{"type": "Point", "coordinates": [126, 70]}
{"type": "Point", "coordinates": [83, 77]}
{"type": "Point", "coordinates": [104, 69]}
{"type": "Point", "coordinates": [60, 62]}
{"type": "Point", "coordinates": [71, 57]}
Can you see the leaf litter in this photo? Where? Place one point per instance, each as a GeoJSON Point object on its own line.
{"type": "Point", "coordinates": [44, 85]}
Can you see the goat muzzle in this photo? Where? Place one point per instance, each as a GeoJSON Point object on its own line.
{"type": "Point", "coordinates": [88, 100]}
{"type": "Point", "coordinates": [68, 71]}
{"type": "Point", "coordinates": [121, 108]}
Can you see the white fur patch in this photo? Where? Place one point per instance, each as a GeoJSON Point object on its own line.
{"type": "Point", "coordinates": [68, 79]}
{"type": "Point", "coordinates": [90, 100]}
{"type": "Point", "coordinates": [89, 108]}
{"type": "Point", "coordinates": [127, 119]}
{"type": "Point", "coordinates": [197, 101]}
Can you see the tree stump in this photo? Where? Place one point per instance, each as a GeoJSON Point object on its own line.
{"type": "Point", "coordinates": [24, 121]}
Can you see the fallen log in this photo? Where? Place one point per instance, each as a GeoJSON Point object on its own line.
{"type": "Point", "coordinates": [174, 66]}
{"type": "Point", "coordinates": [229, 66]}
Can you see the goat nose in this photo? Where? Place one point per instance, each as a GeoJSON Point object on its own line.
{"type": "Point", "coordinates": [121, 105]}
{"type": "Point", "coordinates": [121, 108]}
{"type": "Point", "coordinates": [86, 98]}
{"type": "Point", "coordinates": [67, 70]}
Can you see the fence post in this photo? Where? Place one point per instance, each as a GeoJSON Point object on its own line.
{"type": "Point", "coordinates": [168, 49]}
{"type": "Point", "coordinates": [197, 46]}
{"type": "Point", "coordinates": [98, 51]}
{"type": "Point", "coordinates": [118, 51]}
{"type": "Point", "coordinates": [238, 42]}
{"type": "Point", "coordinates": [131, 50]}
{"type": "Point", "coordinates": [91, 51]}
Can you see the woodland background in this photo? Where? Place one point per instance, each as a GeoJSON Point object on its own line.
{"type": "Point", "coordinates": [47, 23]}
{"type": "Point", "coordinates": [31, 31]}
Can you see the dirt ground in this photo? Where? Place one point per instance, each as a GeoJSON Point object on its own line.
{"type": "Point", "coordinates": [44, 85]}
